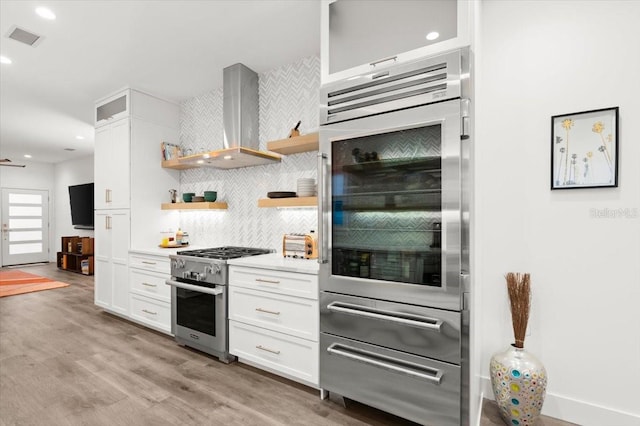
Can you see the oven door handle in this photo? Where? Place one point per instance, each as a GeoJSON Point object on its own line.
{"type": "Point", "coordinates": [214, 291]}
{"type": "Point", "coordinates": [379, 314]}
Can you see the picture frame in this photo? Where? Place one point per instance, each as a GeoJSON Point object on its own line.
{"type": "Point", "coordinates": [584, 149]}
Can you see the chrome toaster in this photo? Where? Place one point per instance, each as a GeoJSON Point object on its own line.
{"type": "Point", "coordinates": [301, 246]}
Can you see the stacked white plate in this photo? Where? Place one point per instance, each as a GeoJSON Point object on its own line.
{"type": "Point", "coordinates": [306, 187]}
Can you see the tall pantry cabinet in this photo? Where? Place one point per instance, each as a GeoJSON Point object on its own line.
{"type": "Point", "coordinates": [130, 186]}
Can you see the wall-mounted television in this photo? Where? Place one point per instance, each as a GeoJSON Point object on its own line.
{"type": "Point", "coordinates": [81, 200]}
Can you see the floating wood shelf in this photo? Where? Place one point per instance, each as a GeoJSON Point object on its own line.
{"type": "Point", "coordinates": [288, 202]}
{"type": "Point", "coordinates": [230, 158]}
{"type": "Point", "coordinates": [295, 145]}
{"type": "Point", "coordinates": [195, 206]}
{"type": "Point", "coordinates": [175, 164]}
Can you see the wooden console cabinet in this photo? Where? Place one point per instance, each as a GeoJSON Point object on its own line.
{"type": "Point", "coordinates": [76, 255]}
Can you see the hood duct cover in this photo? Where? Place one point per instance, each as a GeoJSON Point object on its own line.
{"type": "Point", "coordinates": [240, 117]}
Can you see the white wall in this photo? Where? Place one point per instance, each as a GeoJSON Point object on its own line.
{"type": "Point", "coordinates": [71, 172]}
{"type": "Point", "coordinates": [34, 176]}
{"type": "Point", "coordinates": [538, 59]}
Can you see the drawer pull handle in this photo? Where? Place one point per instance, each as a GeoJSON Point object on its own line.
{"type": "Point", "coordinates": [149, 285]}
{"type": "Point", "coordinates": [148, 263]}
{"type": "Point", "coordinates": [262, 348]}
{"type": "Point", "coordinates": [266, 311]}
{"type": "Point", "coordinates": [149, 312]}
{"type": "Point", "coordinates": [267, 281]}
{"type": "Point", "coordinates": [402, 318]}
{"type": "Point", "coordinates": [381, 361]}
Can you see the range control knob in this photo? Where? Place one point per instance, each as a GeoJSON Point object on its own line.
{"type": "Point", "coordinates": [214, 268]}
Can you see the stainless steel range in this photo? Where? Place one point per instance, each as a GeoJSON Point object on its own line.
{"type": "Point", "coordinates": [199, 281]}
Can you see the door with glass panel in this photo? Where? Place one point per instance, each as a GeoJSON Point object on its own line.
{"type": "Point", "coordinates": [391, 206]}
{"type": "Point", "coordinates": [25, 226]}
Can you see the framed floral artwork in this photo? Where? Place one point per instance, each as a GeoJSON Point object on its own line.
{"type": "Point", "coordinates": [584, 149]}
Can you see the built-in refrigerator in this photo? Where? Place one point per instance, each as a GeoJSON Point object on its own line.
{"type": "Point", "coordinates": [393, 216]}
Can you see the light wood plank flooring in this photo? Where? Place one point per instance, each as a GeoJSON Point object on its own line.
{"type": "Point", "coordinates": [63, 361]}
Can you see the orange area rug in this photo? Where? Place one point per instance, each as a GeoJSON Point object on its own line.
{"type": "Point", "coordinates": [15, 281]}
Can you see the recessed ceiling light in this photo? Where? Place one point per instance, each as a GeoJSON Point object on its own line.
{"type": "Point", "coordinates": [433, 35]}
{"type": "Point", "coordinates": [80, 137]}
{"type": "Point", "coordinates": [27, 156]}
{"type": "Point", "coordinates": [227, 157]}
{"type": "Point", "coordinates": [5, 60]}
{"type": "Point", "coordinates": [45, 13]}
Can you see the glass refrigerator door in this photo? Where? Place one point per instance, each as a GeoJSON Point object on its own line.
{"type": "Point", "coordinates": [386, 206]}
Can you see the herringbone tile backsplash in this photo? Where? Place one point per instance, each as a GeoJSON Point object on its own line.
{"type": "Point", "coordinates": [287, 94]}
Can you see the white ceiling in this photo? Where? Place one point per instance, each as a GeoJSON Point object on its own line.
{"type": "Point", "coordinates": [171, 48]}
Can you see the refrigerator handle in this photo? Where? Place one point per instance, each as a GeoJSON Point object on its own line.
{"type": "Point", "coordinates": [322, 217]}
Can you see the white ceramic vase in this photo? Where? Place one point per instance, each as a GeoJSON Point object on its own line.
{"type": "Point", "coordinates": [519, 383]}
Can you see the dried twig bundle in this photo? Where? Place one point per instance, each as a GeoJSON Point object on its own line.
{"type": "Point", "coordinates": [519, 289]}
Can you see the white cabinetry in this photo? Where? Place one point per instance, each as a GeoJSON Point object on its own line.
{"type": "Point", "coordinates": [112, 108]}
{"type": "Point", "coordinates": [365, 37]}
{"type": "Point", "coordinates": [110, 260]}
{"type": "Point", "coordinates": [130, 184]}
{"type": "Point", "coordinates": [150, 297]}
{"type": "Point", "coordinates": [111, 168]}
{"type": "Point", "coordinates": [273, 321]}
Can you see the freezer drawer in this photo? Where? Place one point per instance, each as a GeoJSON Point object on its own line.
{"type": "Point", "coordinates": [429, 332]}
{"type": "Point", "coordinates": [413, 387]}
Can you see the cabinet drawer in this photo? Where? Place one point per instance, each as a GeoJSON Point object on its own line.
{"type": "Point", "coordinates": [151, 312]}
{"type": "Point", "coordinates": [150, 263]}
{"type": "Point", "coordinates": [289, 283]}
{"type": "Point", "coordinates": [291, 315]}
{"type": "Point", "coordinates": [150, 284]}
{"type": "Point", "coordinates": [433, 333]}
{"type": "Point", "coordinates": [293, 357]}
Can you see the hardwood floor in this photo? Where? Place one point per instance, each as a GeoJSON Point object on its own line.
{"type": "Point", "coordinates": [63, 361]}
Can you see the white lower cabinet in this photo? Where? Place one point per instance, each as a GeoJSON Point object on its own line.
{"type": "Point", "coordinates": [111, 282]}
{"type": "Point", "coordinates": [151, 312]}
{"type": "Point", "coordinates": [271, 326]}
{"type": "Point", "coordinates": [150, 297]}
{"type": "Point", "coordinates": [279, 353]}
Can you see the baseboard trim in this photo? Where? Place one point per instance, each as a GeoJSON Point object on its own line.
{"type": "Point", "coordinates": [576, 411]}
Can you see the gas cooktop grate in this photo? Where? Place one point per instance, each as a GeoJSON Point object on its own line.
{"type": "Point", "coordinates": [224, 253]}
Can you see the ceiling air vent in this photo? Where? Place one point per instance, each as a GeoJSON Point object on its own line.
{"type": "Point", "coordinates": [69, 149]}
{"type": "Point", "coordinates": [24, 36]}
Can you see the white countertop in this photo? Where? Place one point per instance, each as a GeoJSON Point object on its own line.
{"type": "Point", "coordinates": [159, 251]}
{"type": "Point", "coordinates": [276, 261]}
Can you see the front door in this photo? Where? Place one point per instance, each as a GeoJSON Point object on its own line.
{"type": "Point", "coordinates": [25, 226]}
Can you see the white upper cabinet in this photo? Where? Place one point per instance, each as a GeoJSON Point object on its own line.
{"type": "Point", "coordinates": [358, 36]}
{"type": "Point", "coordinates": [111, 166]}
{"type": "Point", "coordinates": [112, 108]}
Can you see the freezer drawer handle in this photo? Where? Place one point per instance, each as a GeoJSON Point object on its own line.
{"type": "Point", "coordinates": [406, 319]}
{"type": "Point", "coordinates": [393, 364]}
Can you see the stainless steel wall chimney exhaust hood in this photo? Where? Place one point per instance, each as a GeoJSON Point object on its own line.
{"type": "Point", "coordinates": [240, 117]}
